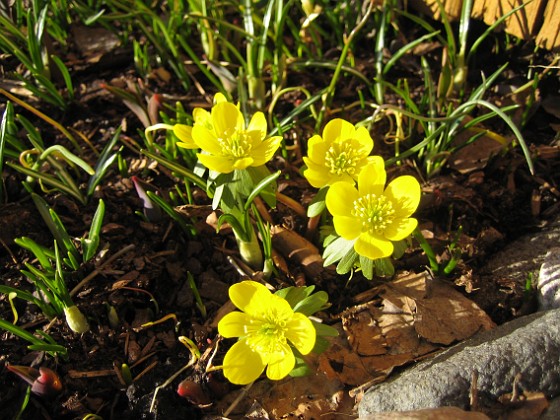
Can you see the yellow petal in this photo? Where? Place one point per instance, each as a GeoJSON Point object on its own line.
{"type": "Point", "coordinates": [265, 150]}
{"type": "Point", "coordinates": [258, 123]}
{"type": "Point", "coordinates": [219, 97]}
{"type": "Point", "coordinates": [301, 333]}
{"type": "Point", "coordinates": [372, 177]}
{"type": "Point", "coordinates": [242, 365]}
{"type": "Point", "coordinates": [364, 139]}
{"type": "Point", "coordinates": [404, 192]}
{"type": "Point", "coordinates": [184, 134]}
{"type": "Point", "coordinates": [243, 163]}
{"type": "Point", "coordinates": [256, 300]}
{"type": "Point", "coordinates": [338, 130]}
{"type": "Point", "coordinates": [317, 175]}
{"type": "Point", "coordinates": [202, 117]}
{"type": "Point", "coordinates": [280, 363]}
{"type": "Point", "coordinates": [400, 229]}
{"type": "Point", "coordinates": [347, 227]}
{"type": "Point", "coordinates": [235, 324]}
{"type": "Point", "coordinates": [206, 140]}
{"type": "Point", "coordinates": [216, 163]}
{"type": "Point", "coordinates": [373, 246]}
{"type": "Point", "coordinates": [340, 198]}
{"type": "Point", "coordinates": [226, 119]}
{"type": "Point", "coordinates": [317, 149]}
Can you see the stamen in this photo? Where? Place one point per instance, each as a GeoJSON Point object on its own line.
{"type": "Point", "coordinates": [341, 158]}
{"type": "Point", "coordinates": [376, 213]}
{"type": "Point", "coordinates": [235, 144]}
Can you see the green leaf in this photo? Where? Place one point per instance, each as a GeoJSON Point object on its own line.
{"type": "Point", "coordinates": [317, 205]}
{"type": "Point", "coordinates": [336, 250]}
{"type": "Point", "coordinates": [266, 188]}
{"type": "Point", "coordinates": [43, 254]}
{"type": "Point", "coordinates": [314, 303]}
{"type": "Point", "coordinates": [384, 267]}
{"type": "Point", "coordinates": [300, 369]}
{"type": "Point", "coordinates": [325, 330]}
{"type": "Point", "coordinates": [6, 118]}
{"type": "Point", "coordinates": [69, 156]}
{"type": "Point", "coordinates": [367, 267]}
{"type": "Point", "coordinates": [55, 225]}
{"type": "Point", "coordinates": [90, 244]}
{"type": "Point", "coordinates": [105, 160]}
{"type": "Point", "coordinates": [321, 344]}
{"type": "Point", "coordinates": [294, 294]}
{"type": "Point", "coordinates": [347, 262]}
{"type": "Point", "coordinates": [399, 248]}
{"type": "Point", "coordinates": [49, 348]}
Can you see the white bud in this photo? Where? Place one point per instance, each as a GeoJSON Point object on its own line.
{"type": "Point", "coordinates": [76, 320]}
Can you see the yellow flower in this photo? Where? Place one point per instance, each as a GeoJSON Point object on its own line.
{"type": "Point", "coordinates": [374, 215]}
{"type": "Point", "coordinates": [228, 144]}
{"type": "Point", "coordinates": [339, 155]}
{"type": "Point", "coordinates": [200, 117]}
{"type": "Point", "coordinates": [266, 328]}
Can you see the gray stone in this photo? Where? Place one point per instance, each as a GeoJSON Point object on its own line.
{"type": "Point", "coordinates": [524, 256]}
{"type": "Point", "coordinates": [548, 283]}
{"type": "Point", "coordinates": [529, 346]}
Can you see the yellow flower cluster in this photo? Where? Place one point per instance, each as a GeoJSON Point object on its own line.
{"type": "Point", "coordinates": [370, 214]}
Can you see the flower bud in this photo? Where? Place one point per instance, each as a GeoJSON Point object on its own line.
{"type": "Point", "coordinates": [193, 392]}
{"type": "Point", "coordinates": [76, 320]}
{"type": "Point", "coordinates": [44, 381]}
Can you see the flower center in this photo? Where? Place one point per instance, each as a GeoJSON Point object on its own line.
{"type": "Point", "coordinates": [376, 213]}
{"type": "Point", "coordinates": [235, 143]}
{"type": "Point", "coordinates": [270, 335]}
{"type": "Point", "coordinates": [341, 158]}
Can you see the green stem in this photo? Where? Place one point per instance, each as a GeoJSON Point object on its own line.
{"type": "Point", "coordinates": [250, 251]}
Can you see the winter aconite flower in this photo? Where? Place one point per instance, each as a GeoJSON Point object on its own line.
{"type": "Point", "coordinates": [227, 143]}
{"type": "Point", "coordinates": [373, 215]}
{"type": "Point", "coordinates": [200, 117]}
{"type": "Point", "coordinates": [267, 328]}
{"type": "Point", "coordinates": [339, 155]}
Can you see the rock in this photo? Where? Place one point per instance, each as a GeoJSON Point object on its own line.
{"type": "Point", "coordinates": [528, 345]}
{"type": "Point", "coordinates": [500, 286]}
{"type": "Point", "coordinates": [524, 255]}
{"type": "Point", "coordinates": [548, 283]}
{"type": "Point", "coordinates": [443, 413]}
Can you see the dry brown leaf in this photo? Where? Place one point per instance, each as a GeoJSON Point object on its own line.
{"type": "Point", "coordinates": [442, 314]}
{"type": "Point", "coordinates": [476, 155]}
{"type": "Point", "coordinates": [402, 322]}
{"type": "Point", "coordinates": [340, 362]}
{"type": "Point", "coordinates": [298, 250]}
{"type": "Point", "coordinates": [314, 396]}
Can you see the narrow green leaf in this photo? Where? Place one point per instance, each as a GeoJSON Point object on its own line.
{"type": "Point", "coordinates": [105, 160]}
{"type": "Point", "coordinates": [91, 243]}
{"type": "Point", "coordinates": [69, 156]}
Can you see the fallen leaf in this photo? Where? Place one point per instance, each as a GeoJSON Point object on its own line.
{"type": "Point", "coordinates": [298, 250]}
{"type": "Point", "coordinates": [400, 322]}
{"type": "Point", "coordinates": [442, 314]}
{"type": "Point", "coordinates": [314, 396]}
